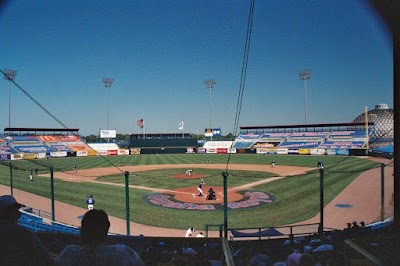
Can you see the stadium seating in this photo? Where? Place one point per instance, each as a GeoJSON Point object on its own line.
{"type": "Point", "coordinates": [37, 224]}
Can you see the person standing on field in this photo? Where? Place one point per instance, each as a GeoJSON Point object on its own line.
{"type": "Point", "coordinates": [199, 188]}
{"type": "Point", "coordinates": [90, 203]}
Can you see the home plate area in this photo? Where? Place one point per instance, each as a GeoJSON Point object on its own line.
{"type": "Point", "coordinates": [189, 199]}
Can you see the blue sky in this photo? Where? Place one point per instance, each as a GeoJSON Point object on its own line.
{"type": "Point", "coordinates": [160, 52]}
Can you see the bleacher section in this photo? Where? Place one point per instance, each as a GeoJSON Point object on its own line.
{"type": "Point", "coordinates": [301, 142]}
{"type": "Point", "coordinates": [30, 147]}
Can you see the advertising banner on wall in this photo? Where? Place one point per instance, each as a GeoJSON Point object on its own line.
{"type": "Point", "coordinates": [40, 155]}
{"type": "Point", "coordinates": [304, 151]}
{"type": "Point", "coordinates": [29, 156]}
{"type": "Point", "coordinates": [135, 151]}
{"type": "Point", "coordinates": [282, 151]}
{"type": "Point", "coordinates": [108, 134]}
{"type": "Point", "coordinates": [121, 152]}
{"type": "Point", "coordinates": [113, 152]}
{"type": "Point", "coordinates": [92, 153]}
{"type": "Point", "coordinates": [4, 157]}
{"type": "Point", "coordinates": [266, 150]}
{"type": "Point", "coordinates": [58, 154]}
{"type": "Point", "coordinates": [201, 150]}
{"type": "Point", "coordinates": [232, 150]}
{"type": "Point", "coordinates": [211, 150]}
{"type": "Point", "coordinates": [102, 153]}
{"type": "Point", "coordinates": [317, 151]}
{"type": "Point", "coordinates": [81, 153]}
{"type": "Point", "coordinates": [222, 150]}
{"type": "Point", "coordinates": [18, 156]}
{"type": "Point", "coordinates": [330, 151]}
{"type": "Point", "coordinates": [342, 152]}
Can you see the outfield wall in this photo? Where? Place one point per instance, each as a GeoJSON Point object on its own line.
{"type": "Point", "coordinates": [162, 146]}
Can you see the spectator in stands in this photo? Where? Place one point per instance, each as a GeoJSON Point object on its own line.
{"type": "Point", "coordinates": [94, 250]}
{"type": "Point", "coordinates": [306, 260]}
{"type": "Point", "coordinates": [260, 260]}
{"type": "Point", "coordinates": [355, 225]}
{"type": "Point", "coordinates": [18, 245]}
{"type": "Point", "coordinates": [294, 258]}
{"type": "Point", "coordinates": [348, 226]}
{"type": "Point", "coordinates": [362, 224]}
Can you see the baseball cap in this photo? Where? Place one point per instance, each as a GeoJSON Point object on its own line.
{"type": "Point", "coordinates": [9, 201]}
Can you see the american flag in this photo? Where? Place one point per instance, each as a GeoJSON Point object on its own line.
{"type": "Point", "coordinates": [140, 123]}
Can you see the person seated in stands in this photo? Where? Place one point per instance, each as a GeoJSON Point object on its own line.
{"type": "Point", "coordinates": [260, 259]}
{"type": "Point", "coordinates": [355, 225]}
{"type": "Point", "coordinates": [94, 250]}
{"type": "Point", "coordinates": [211, 194]}
{"type": "Point", "coordinates": [294, 258]}
{"type": "Point", "coordinates": [18, 245]}
{"type": "Point", "coordinates": [306, 259]}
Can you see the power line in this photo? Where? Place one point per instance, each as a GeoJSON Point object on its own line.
{"type": "Point", "coordinates": [246, 54]}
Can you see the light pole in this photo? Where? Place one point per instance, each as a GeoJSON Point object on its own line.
{"type": "Point", "coordinates": [107, 83]}
{"type": "Point", "coordinates": [210, 84]}
{"type": "Point", "coordinates": [305, 75]}
{"type": "Point", "coordinates": [10, 76]}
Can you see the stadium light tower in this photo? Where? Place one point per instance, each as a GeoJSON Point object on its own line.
{"type": "Point", "coordinates": [210, 84]}
{"type": "Point", "coordinates": [107, 83]}
{"type": "Point", "coordinates": [10, 76]}
{"type": "Point", "coordinates": [305, 75]}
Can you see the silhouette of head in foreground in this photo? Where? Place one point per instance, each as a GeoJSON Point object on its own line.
{"type": "Point", "coordinates": [94, 227]}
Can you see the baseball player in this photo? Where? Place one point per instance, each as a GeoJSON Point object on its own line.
{"type": "Point", "coordinates": [199, 188]}
{"type": "Point", "coordinates": [90, 203]}
{"type": "Point", "coordinates": [189, 172]}
{"type": "Point", "coordinates": [190, 232]}
{"type": "Point", "coordinates": [31, 175]}
{"type": "Point", "coordinates": [75, 169]}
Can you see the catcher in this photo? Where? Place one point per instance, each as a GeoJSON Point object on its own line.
{"type": "Point", "coordinates": [211, 194]}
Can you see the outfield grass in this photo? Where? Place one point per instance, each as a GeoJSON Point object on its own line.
{"type": "Point", "coordinates": [297, 196]}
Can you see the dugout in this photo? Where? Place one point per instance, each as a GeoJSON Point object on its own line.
{"type": "Point", "coordinates": [163, 143]}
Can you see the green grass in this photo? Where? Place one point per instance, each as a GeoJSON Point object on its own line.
{"type": "Point", "coordinates": [297, 196]}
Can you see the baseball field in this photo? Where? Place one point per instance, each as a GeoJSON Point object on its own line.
{"type": "Point", "coordinates": [160, 194]}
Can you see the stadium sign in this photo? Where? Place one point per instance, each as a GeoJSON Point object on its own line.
{"type": "Point", "coordinates": [209, 132]}
{"type": "Point", "coordinates": [108, 134]}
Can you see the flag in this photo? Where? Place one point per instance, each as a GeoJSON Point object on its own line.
{"type": "Point", "coordinates": [181, 125]}
{"type": "Point", "coordinates": [140, 123]}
